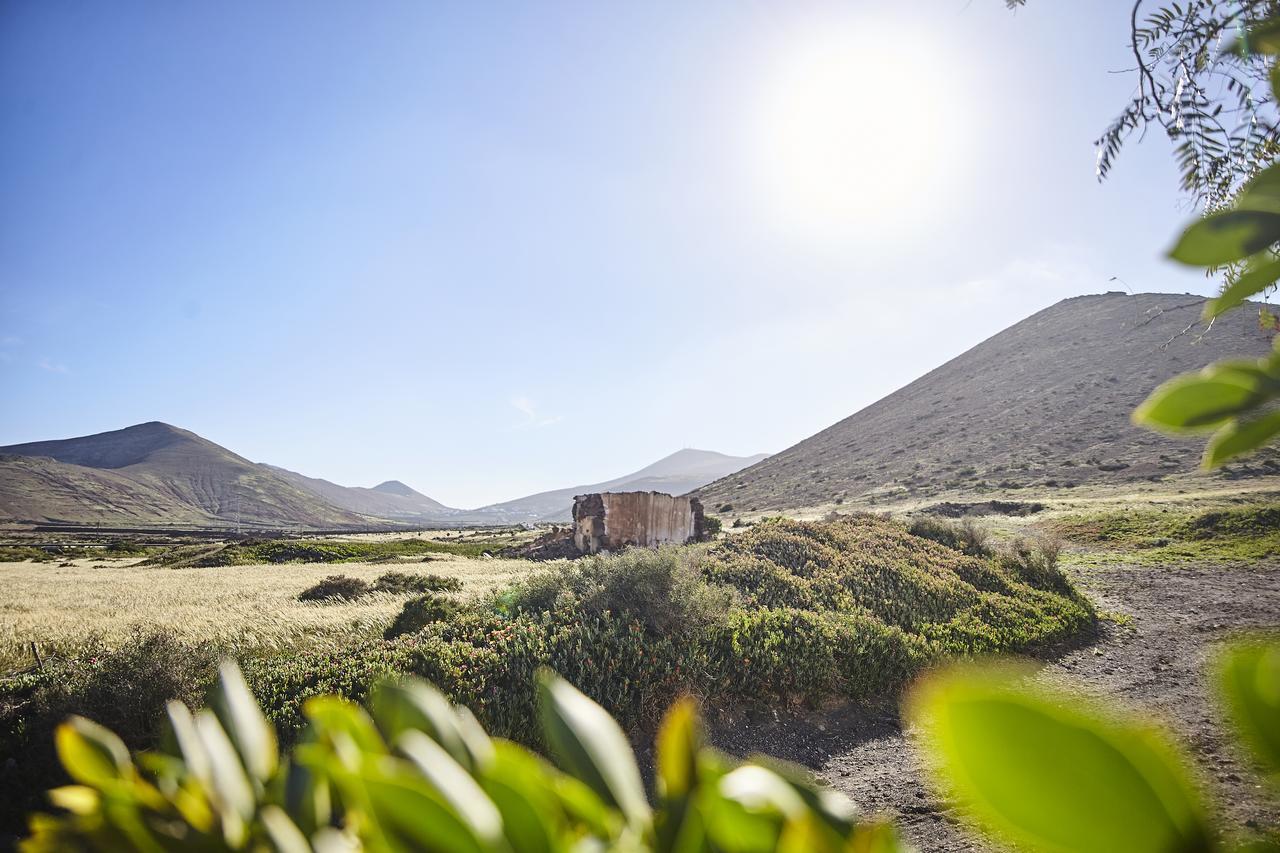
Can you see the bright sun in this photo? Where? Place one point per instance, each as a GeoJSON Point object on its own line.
{"type": "Point", "coordinates": [856, 129]}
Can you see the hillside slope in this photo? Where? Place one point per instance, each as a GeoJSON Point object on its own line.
{"type": "Point", "coordinates": [681, 472]}
{"type": "Point", "coordinates": [1045, 402]}
{"type": "Point", "coordinates": [152, 473]}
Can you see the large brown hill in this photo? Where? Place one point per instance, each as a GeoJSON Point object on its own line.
{"type": "Point", "coordinates": [1044, 403]}
{"type": "Point", "coordinates": [153, 473]}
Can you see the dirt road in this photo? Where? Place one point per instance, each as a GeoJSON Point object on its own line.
{"type": "Point", "coordinates": [1156, 661]}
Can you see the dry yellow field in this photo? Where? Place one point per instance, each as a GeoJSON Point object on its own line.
{"type": "Point", "coordinates": [239, 607]}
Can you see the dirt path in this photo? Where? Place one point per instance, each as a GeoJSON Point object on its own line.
{"type": "Point", "coordinates": [1156, 661]}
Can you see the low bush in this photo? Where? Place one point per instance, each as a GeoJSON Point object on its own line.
{"type": "Point", "coordinates": [335, 588]}
{"type": "Point", "coordinates": [402, 582]}
{"type": "Point", "coordinates": [966, 536]}
{"type": "Point", "coordinates": [663, 589]}
{"type": "Point", "coordinates": [23, 553]}
{"type": "Point", "coordinates": [421, 611]}
{"type": "Point", "coordinates": [127, 548]}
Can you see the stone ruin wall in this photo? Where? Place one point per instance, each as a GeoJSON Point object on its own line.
{"type": "Point", "coordinates": [613, 520]}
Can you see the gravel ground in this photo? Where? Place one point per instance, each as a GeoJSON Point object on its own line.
{"type": "Point", "coordinates": [1155, 660]}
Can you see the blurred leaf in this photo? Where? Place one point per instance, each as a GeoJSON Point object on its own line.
{"type": "Point", "coordinates": [476, 739]}
{"type": "Point", "coordinates": [758, 789]}
{"type": "Point", "coordinates": [520, 785]}
{"type": "Point", "coordinates": [77, 799]}
{"type": "Point", "coordinates": [1195, 401]}
{"type": "Point", "coordinates": [408, 811]}
{"type": "Point", "coordinates": [1050, 775]}
{"type": "Point", "coordinates": [307, 797]}
{"type": "Point", "coordinates": [92, 754]}
{"type": "Point", "coordinates": [1240, 436]}
{"type": "Point", "coordinates": [590, 745]}
{"type": "Point", "coordinates": [454, 784]}
{"type": "Point", "coordinates": [333, 715]}
{"type": "Point", "coordinates": [242, 720]}
{"type": "Point", "coordinates": [187, 744]}
{"type": "Point", "coordinates": [230, 784]}
{"type": "Point", "coordinates": [414, 705]}
{"type": "Point", "coordinates": [1223, 238]}
{"type": "Point", "coordinates": [1262, 193]}
{"type": "Point", "coordinates": [585, 806]}
{"type": "Point", "coordinates": [1262, 38]}
{"type": "Point", "coordinates": [1250, 682]}
{"type": "Point", "coordinates": [1252, 281]}
{"type": "Point", "coordinates": [678, 743]}
{"type": "Point", "coordinates": [731, 825]}
{"type": "Point", "coordinates": [284, 834]}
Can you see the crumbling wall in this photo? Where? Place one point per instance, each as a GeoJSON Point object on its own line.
{"type": "Point", "coordinates": [613, 520]}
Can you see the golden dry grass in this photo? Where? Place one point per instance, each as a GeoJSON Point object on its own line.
{"type": "Point", "coordinates": [240, 607]}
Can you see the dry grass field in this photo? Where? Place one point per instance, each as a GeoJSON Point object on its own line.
{"type": "Point", "coordinates": [239, 607]}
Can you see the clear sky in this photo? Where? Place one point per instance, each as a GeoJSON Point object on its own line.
{"type": "Point", "coordinates": [489, 249]}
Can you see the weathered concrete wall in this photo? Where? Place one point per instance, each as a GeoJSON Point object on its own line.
{"type": "Point", "coordinates": [613, 520]}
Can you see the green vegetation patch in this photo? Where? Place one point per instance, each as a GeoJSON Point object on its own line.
{"type": "Point", "coordinates": [789, 611]}
{"type": "Point", "coordinates": [1152, 536]}
{"type": "Point", "coordinates": [312, 551]}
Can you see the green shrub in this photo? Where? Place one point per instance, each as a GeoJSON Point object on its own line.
{"type": "Point", "coordinates": [664, 589]}
{"type": "Point", "coordinates": [421, 611]}
{"type": "Point", "coordinates": [401, 582]}
{"type": "Point", "coordinates": [713, 526]}
{"type": "Point", "coordinates": [335, 588]}
{"type": "Point", "coordinates": [127, 548]}
{"type": "Point", "coordinates": [23, 553]}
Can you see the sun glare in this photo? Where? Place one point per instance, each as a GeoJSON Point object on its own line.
{"type": "Point", "coordinates": [853, 126]}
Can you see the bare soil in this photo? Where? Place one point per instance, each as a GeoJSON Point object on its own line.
{"type": "Point", "coordinates": [1155, 659]}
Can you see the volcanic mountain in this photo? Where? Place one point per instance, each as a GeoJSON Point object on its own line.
{"type": "Point", "coordinates": [153, 473]}
{"type": "Point", "coordinates": [1044, 403]}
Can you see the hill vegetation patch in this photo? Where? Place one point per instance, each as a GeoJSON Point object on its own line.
{"type": "Point", "coordinates": [1172, 535]}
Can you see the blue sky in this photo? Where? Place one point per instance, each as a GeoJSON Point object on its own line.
{"type": "Point", "coordinates": [489, 249]}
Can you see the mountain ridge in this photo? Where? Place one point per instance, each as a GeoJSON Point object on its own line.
{"type": "Point", "coordinates": [156, 473]}
{"type": "Point", "coordinates": [1042, 403]}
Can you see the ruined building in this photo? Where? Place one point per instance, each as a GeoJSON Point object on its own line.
{"type": "Point", "coordinates": [607, 521]}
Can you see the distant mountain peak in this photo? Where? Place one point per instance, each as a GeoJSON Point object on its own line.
{"type": "Point", "coordinates": [395, 487]}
